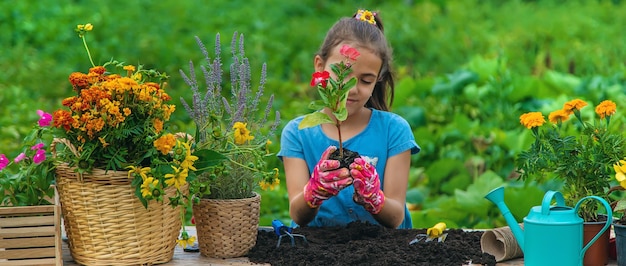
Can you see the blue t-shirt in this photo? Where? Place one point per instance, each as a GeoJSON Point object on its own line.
{"type": "Point", "coordinates": [387, 134]}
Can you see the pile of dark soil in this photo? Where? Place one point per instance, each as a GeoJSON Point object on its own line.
{"type": "Point", "coordinates": [367, 244]}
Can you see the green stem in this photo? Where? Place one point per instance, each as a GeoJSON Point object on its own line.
{"type": "Point", "coordinates": [183, 209]}
{"type": "Point", "coordinates": [338, 124]}
{"type": "Point", "coordinates": [88, 53]}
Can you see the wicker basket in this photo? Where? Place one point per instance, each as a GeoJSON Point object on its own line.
{"type": "Point", "coordinates": [107, 225]}
{"type": "Point", "coordinates": [227, 228]}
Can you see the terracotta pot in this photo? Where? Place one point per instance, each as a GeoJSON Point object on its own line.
{"type": "Point", "coordinates": [598, 252]}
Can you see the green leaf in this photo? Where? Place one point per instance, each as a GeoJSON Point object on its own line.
{"type": "Point", "coordinates": [314, 119]}
{"type": "Point", "coordinates": [341, 114]}
{"type": "Point", "coordinates": [144, 202]}
{"type": "Point", "coordinates": [473, 199]}
{"type": "Point", "coordinates": [208, 158]}
{"type": "Point", "coordinates": [349, 84]}
{"type": "Point", "coordinates": [317, 105]}
{"type": "Point", "coordinates": [620, 206]}
{"type": "Point", "coordinates": [335, 68]}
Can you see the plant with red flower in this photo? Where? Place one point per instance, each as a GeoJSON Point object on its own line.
{"type": "Point", "coordinates": [320, 78]}
{"type": "Point", "coordinates": [334, 97]}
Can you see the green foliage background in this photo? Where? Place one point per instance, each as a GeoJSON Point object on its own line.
{"type": "Point", "coordinates": [466, 70]}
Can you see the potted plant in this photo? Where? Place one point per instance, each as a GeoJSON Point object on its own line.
{"type": "Point", "coordinates": [121, 175]}
{"type": "Point", "coordinates": [333, 98]}
{"type": "Point", "coordinates": [232, 138]}
{"type": "Point", "coordinates": [28, 200]}
{"type": "Point", "coordinates": [619, 208]}
{"type": "Point", "coordinates": [580, 154]}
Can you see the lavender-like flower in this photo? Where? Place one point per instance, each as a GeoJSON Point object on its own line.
{"type": "Point", "coordinates": [210, 110]}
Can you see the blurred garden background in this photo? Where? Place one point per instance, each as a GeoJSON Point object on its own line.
{"type": "Point", "coordinates": [465, 71]}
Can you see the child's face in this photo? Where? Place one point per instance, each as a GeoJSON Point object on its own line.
{"type": "Point", "coordinates": [365, 70]}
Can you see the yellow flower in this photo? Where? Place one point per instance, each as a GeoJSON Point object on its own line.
{"type": "Point", "coordinates": [103, 141]}
{"type": "Point", "coordinates": [189, 159]}
{"type": "Point", "coordinates": [148, 185]}
{"type": "Point", "coordinates": [158, 125]}
{"type": "Point", "coordinates": [130, 68]}
{"type": "Point", "coordinates": [574, 105]}
{"type": "Point", "coordinates": [366, 15]}
{"type": "Point", "coordinates": [558, 116]}
{"type": "Point", "coordinates": [185, 240]}
{"type": "Point", "coordinates": [532, 119]}
{"type": "Point", "coordinates": [620, 172]}
{"type": "Point", "coordinates": [178, 178]}
{"type": "Point", "coordinates": [165, 143]}
{"type": "Point", "coordinates": [143, 172]}
{"type": "Point", "coordinates": [271, 182]}
{"type": "Point", "coordinates": [606, 108]}
{"type": "Point", "coordinates": [267, 146]}
{"type": "Point", "coordinates": [242, 134]}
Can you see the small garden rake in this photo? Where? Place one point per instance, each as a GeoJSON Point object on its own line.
{"type": "Point", "coordinates": [281, 231]}
{"type": "Point", "coordinates": [435, 232]}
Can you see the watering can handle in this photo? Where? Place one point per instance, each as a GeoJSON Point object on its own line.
{"type": "Point", "coordinates": [547, 199]}
{"type": "Point", "coordinates": [609, 220]}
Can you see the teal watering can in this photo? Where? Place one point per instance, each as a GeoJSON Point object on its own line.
{"type": "Point", "coordinates": [552, 235]}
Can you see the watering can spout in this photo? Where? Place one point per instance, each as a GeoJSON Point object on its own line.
{"type": "Point", "coordinates": [497, 197]}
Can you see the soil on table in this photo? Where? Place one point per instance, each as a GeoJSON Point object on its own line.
{"type": "Point", "coordinates": [367, 244]}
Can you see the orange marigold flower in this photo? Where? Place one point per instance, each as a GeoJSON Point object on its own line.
{"type": "Point", "coordinates": [130, 68]}
{"type": "Point", "coordinates": [165, 143]}
{"type": "Point", "coordinates": [62, 118]}
{"type": "Point", "coordinates": [532, 119]}
{"type": "Point", "coordinates": [97, 70]}
{"type": "Point", "coordinates": [165, 96]}
{"type": "Point", "coordinates": [78, 80]}
{"type": "Point", "coordinates": [572, 105]}
{"type": "Point", "coordinates": [158, 125]}
{"type": "Point", "coordinates": [69, 101]}
{"type": "Point", "coordinates": [606, 108]}
{"type": "Point", "coordinates": [127, 111]}
{"type": "Point", "coordinates": [153, 84]}
{"type": "Point", "coordinates": [558, 116]}
{"type": "Point", "coordinates": [168, 109]}
{"type": "Point", "coordinates": [111, 77]}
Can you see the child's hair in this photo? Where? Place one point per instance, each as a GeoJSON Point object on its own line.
{"type": "Point", "coordinates": [371, 36]}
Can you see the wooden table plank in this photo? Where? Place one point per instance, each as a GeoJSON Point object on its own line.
{"type": "Point", "coordinates": [195, 258]}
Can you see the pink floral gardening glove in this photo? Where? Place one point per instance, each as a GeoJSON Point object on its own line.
{"type": "Point", "coordinates": [367, 186]}
{"type": "Point", "coordinates": [326, 180]}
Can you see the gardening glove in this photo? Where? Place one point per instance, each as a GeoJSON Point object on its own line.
{"type": "Point", "coordinates": [326, 180]}
{"type": "Point", "coordinates": [366, 182]}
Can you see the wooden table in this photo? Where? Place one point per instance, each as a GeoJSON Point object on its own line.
{"type": "Point", "coordinates": [194, 258]}
{"type": "Point", "coordinates": [180, 257]}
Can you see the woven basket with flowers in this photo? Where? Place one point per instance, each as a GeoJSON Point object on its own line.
{"type": "Point", "coordinates": [122, 177]}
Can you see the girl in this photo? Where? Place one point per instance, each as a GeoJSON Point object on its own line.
{"type": "Point", "coordinates": [373, 189]}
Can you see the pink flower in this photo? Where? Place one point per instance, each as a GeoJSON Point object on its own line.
{"type": "Point", "coordinates": [37, 146]}
{"type": "Point", "coordinates": [349, 52]}
{"type": "Point", "coordinates": [39, 157]}
{"type": "Point", "coordinates": [20, 157]}
{"type": "Point", "coordinates": [45, 119]}
{"type": "Point", "coordinates": [4, 161]}
{"type": "Point", "coordinates": [320, 78]}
